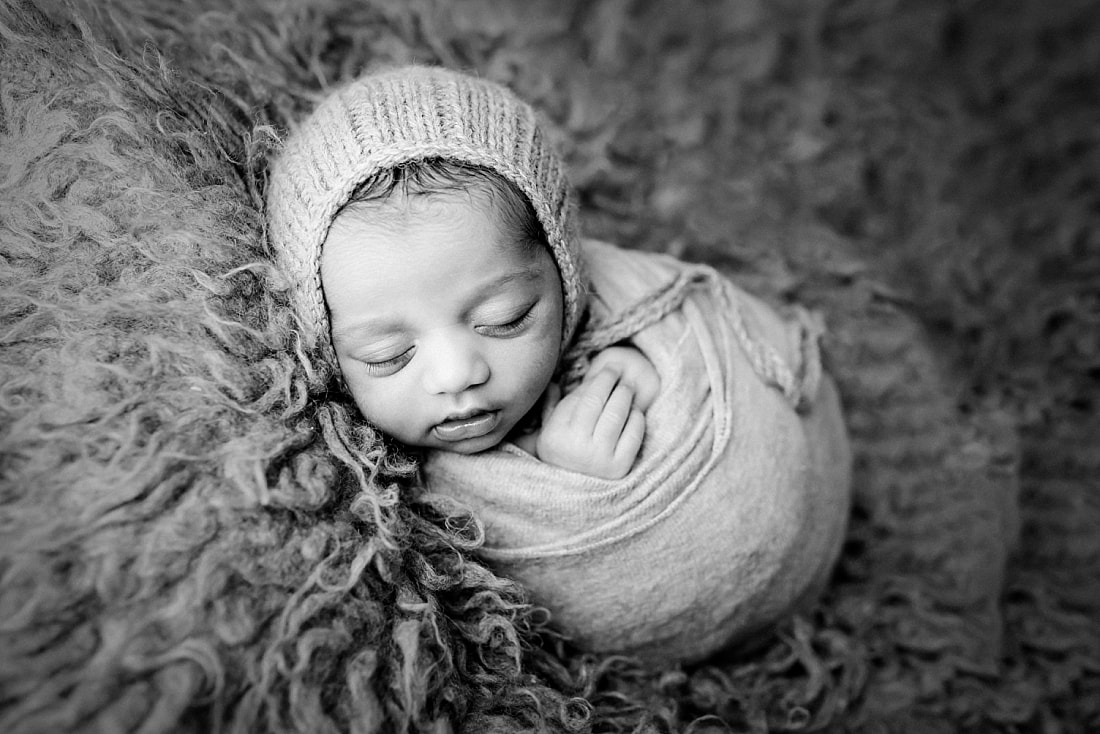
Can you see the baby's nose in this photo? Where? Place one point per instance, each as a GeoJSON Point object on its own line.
{"type": "Point", "coordinates": [456, 365]}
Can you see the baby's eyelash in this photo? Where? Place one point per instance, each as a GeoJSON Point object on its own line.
{"type": "Point", "coordinates": [385, 367]}
{"type": "Point", "coordinates": [512, 326]}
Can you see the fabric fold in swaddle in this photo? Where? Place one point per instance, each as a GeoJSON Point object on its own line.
{"type": "Point", "coordinates": [733, 513]}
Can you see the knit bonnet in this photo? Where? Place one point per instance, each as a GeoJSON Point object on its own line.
{"type": "Point", "coordinates": [386, 119]}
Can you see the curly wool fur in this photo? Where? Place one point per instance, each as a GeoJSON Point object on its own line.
{"type": "Point", "coordinates": [194, 537]}
{"type": "Point", "coordinates": [189, 540]}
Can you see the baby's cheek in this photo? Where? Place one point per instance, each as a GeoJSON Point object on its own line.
{"type": "Point", "coordinates": [364, 404]}
{"type": "Point", "coordinates": [545, 363]}
{"type": "Point", "coordinates": [531, 370]}
{"type": "Point", "coordinates": [372, 403]}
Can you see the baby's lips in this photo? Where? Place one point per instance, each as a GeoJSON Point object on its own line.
{"type": "Point", "coordinates": [462, 429]}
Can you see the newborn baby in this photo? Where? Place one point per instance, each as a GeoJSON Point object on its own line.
{"type": "Point", "coordinates": [654, 453]}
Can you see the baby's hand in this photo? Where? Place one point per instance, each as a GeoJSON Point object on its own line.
{"type": "Point", "coordinates": [597, 429]}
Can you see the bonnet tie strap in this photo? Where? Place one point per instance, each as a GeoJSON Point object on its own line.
{"type": "Point", "coordinates": [766, 362]}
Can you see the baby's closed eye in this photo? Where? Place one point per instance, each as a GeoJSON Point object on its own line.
{"type": "Point", "coordinates": [507, 324]}
{"type": "Point", "coordinates": [384, 366]}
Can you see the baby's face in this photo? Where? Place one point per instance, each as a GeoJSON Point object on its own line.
{"type": "Point", "coordinates": [446, 327]}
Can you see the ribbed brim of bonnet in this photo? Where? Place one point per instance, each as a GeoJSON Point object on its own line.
{"type": "Point", "coordinates": [385, 119]}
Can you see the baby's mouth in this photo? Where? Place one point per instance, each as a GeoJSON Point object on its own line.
{"type": "Point", "coordinates": [472, 425]}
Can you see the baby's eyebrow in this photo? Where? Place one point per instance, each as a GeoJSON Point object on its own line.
{"type": "Point", "coordinates": [528, 274]}
{"type": "Point", "coordinates": [369, 329]}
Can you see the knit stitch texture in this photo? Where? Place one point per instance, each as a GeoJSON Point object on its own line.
{"type": "Point", "coordinates": [408, 114]}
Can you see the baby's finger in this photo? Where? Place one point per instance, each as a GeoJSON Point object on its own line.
{"type": "Point", "coordinates": [616, 412]}
{"type": "Point", "coordinates": [630, 442]}
{"type": "Point", "coordinates": [592, 396]}
{"type": "Point", "coordinates": [550, 401]}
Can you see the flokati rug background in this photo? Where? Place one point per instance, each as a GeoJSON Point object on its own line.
{"type": "Point", "coordinates": [191, 539]}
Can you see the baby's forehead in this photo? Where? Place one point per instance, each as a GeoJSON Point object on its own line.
{"type": "Point", "coordinates": [438, 248]}
{"type": "Point", "coordinates": [381, 229]}
{"type": "Point", "coordinates": [401, 211]}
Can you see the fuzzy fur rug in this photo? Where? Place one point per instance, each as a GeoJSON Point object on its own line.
{"type": "Point", "coordinates": [194, 538]}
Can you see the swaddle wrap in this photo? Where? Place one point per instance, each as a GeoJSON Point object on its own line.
{"type": "Point", "coordinates": [735, 507]}
{"type": "Point", "coordinates": [734, 512]}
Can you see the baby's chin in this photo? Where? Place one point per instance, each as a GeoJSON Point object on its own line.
{"type": "Point", "coordinates": [467, 448]}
